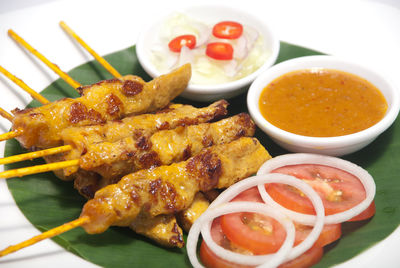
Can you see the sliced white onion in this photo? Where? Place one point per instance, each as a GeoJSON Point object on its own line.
{"type": "Point", "coordinates": [204, 34]}
{"type": "Point", "coordinates": [300, 158]}
{"type": "Point", "coordinates": [240, 48]}
{"type": "Point", "coordinates": [230, 68]}
{"type": "Point", "coordinates": [251, 35]}
{"type": "Point", "coordinates": [186, 56]}
{"type": "Point", "coordinates": [233, 191]}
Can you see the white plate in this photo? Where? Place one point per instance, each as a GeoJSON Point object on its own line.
{"type": "Point", "coordinates": [362, 31]}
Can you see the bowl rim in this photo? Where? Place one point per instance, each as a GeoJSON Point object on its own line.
{"type": "Point", "coordinates": [322, 61]}
{"type": "Point", "coordinates": [211, 88]}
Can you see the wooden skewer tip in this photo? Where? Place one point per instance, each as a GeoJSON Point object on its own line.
{"type": "Point", "coordinates": [48, 234]}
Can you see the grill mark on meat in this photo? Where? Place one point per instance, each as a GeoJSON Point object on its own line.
{"type": "Point", "coordinates": [21, 111]}
{"type": "Point", "coordinates": [207, 141]}
{"type": "Point", "coordinates": [131, 88]}
{"type": "Point", "coordinates": [221, 110]}
{"type": "Point", "coordinates": [150, 159]}
{"type": "Point", "coordinates": [190, 121]}
{"type": "Point", "coordinates": [113, 104]}
{"type": "Point", "coordinates": [164, 125]}
{"type": "Point", "coordinates": [178, 238]}
{"type": "Point", "coordinates": [79, 112]}
{"type": "Point", "coordinates": [247, 123]}
{"type": "Point", "coordinates": [135, 198]}
{"type": "Point", "coordinates": [108, 81]}
{"type": "Point", "coordinates": [154, 186]}
{"type": "Point", "coordinates": [187, 153]}
{"type": "Point", "coordinates": [95, 116]}
{"type": "Point", "coordinates": [206, 168]}
{"type": "Point", "coordinates": [143, 143]}
{"type": "Point", "coordinates": [128, 155]}
{"type": "Point", "coordinates": [168, 195]}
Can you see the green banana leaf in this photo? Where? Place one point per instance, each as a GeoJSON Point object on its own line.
{"type": "Point", "coordinates": [48, 202]}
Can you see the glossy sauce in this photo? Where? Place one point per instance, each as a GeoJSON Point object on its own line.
{"type": "Point", "coordinates": [322, 103]}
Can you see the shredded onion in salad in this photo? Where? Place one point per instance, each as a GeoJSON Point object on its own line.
{"type": "Point", "coordinates": [222, 205]}
{"type": "Point", "coordinates": [250, 51]}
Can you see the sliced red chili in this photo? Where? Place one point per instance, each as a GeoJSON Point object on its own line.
{"type": "Point", "coordinates": [228, 30]}
{"type": "Point", "coordinates": [178, 42]}
{"type": "Point", "coordinates": [219, 51]}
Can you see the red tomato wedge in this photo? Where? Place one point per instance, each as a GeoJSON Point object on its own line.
{"type": "Point", "coordinates": [219, 51]}
{"type": "Point", "coordinates": [227, 30]}
{"type": "Point", "coordinates": [178, 42]}
{"type": "Point", "coordinates": [338, 189]}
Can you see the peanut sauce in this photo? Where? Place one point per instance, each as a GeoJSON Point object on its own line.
{"type": "Point", "coordinates": [322, 103]}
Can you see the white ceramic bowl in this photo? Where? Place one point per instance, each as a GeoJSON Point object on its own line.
{"type": "Point", "coordinates": [211, 14]}
{"type": "Point", "coordinates": [335, 146]}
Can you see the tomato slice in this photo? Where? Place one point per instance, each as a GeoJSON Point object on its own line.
{"type": "Point", "coordinates": [178, 42]}
{"type": "Point", "coordinates": [366, 214]}
{"type": "Point", "coordinates": [307, 259]}
{"type": "Point", "coordinates": [227, 30]}
{"type": "Point", "coordinates": [208, 257]}
{"type": "Point", "coordinates": [219, 51]}
{"type": "Point", "coordinates": [329, 234]}
{"type": "Point", "coordinates": [254, 232]}
{"type": "Point", "coordinates": [338, 189]}
{"type": "Point", "coordinates": [211, 260]}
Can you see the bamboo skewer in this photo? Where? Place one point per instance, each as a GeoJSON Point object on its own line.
{"type": "Point", "coordinates": [10, 135]}
{"type": "Point", "coordinates": [24, 86]}
{"type": "Point", "coordinates": [48, 234]}
{"type": "Point", "coordinates": [6, 115]}
{"type": "Point", "coordinates": [51, 65]}
{"type": "Point", "coordinates": [19, 172]}
{"type": "Point", "coordinates": [100, 59]}
{"type": "Point", "coordinates": [32, 155]}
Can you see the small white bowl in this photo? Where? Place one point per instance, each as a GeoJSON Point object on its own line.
{"type": "Point", "coordinates": [335, 146]}
{"type": "Point", "coordinates": [211, 14]}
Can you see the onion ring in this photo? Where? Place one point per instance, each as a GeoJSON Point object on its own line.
{"type": "Point", "coordinates": [221, 202]}
{"type": "Point", "coordinates": [303, 158]}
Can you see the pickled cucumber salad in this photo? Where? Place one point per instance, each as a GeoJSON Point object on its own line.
{"type": "Point", "coordinates": [219, 52]}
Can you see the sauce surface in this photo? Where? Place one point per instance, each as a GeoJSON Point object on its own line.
{"type": "Point", "coordinates": [322, 103]}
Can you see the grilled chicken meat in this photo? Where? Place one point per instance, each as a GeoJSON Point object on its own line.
{"type": "Point", "coordinates": [162, 229]}
{"type": "Point", "coordinates": [114, 160]}
{"type": "Point", "coordinates": [80, 138]}
{"type": "Point", "coordinates": [99, 103]}
{"type": "Point", "coordinates": [170, 189]}
{"type": "Point", "coordinates": [188, 216]}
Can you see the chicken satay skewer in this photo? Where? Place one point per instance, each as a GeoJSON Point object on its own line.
{"type": "Point", "coordinates": [100, 59]}
{"type": "Point", "coordinates": [24, 86]}
{"type": "Point", "coordinates": [162, 148]}
{"type": "Point", "coordinates": [171, 117]}
{"type": "Point", "coordinates": [51, 65]}
{"type": "Point", "coordinates": [164, 189]}
{"type": "Point", "coordinates": [100, 102]}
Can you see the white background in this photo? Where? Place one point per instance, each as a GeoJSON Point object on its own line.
{"type": "Point", "coordinates": [367, 32]}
